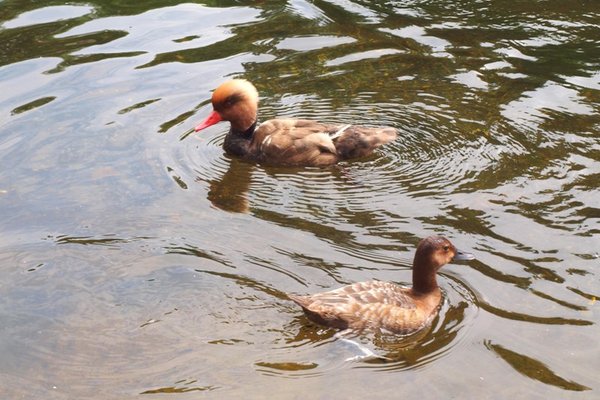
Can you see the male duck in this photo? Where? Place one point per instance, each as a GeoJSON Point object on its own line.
{"type": "Point", "coordinates": [288, 142]}
{"type": "Point", "coordinates": [385, 305]}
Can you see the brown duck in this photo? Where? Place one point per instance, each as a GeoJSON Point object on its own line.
{"type": "Point", "coordinates": [384, 305]}
{"type": "Point", "coordinates": [288, 142]}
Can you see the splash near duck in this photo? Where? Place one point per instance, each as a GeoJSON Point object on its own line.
{"type": "Point", "coordinates": [386, 306]}
{"type": "Point", "coordinates": [286, 142]}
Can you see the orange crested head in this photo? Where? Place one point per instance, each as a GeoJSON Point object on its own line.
{"type": "Point", "coordinates": [235, 101]}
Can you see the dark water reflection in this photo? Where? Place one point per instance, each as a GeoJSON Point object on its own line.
{"type": "Point", "coordinates": [134, 262]}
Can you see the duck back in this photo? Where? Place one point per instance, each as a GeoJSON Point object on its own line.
{"type": "Point", "coordinates": [372, 305]}
{"type": "Point", "coordinates": [359, 141]}
{"type": "Point", "coordinates": [306, 142]}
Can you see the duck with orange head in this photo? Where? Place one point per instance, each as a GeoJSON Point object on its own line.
{"type": "Point", "coordinates": [286, 142]}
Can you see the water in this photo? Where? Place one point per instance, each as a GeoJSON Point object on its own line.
{"type": "Point", "coordinates": [134, 262]}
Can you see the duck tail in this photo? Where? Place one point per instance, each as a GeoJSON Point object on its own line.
{"type": "Point", "coordinates": [356, 141]}
{"type": "Point", "coordinates": [302, 301]}
{"type": "Point", "coordinates": [321, 317]}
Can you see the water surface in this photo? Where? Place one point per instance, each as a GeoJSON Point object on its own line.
{"type": "Point", "coordinates": [135, 263]}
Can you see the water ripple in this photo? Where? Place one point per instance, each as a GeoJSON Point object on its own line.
{"type": "Point", "coordinates": [134, 262]}
{"type": "Point", "coordinates": [46, 15]}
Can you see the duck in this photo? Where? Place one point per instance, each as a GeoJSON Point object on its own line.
{"type": "Point", "coordinates": [286, 141]}
{"type": "Point", "coordinates": [385, 306]}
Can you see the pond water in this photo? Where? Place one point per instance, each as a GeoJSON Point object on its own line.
{"type": "Point", "coordinates": [136, 263]}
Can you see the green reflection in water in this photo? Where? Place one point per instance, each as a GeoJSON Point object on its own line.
{"type": "Point", "coordinates": [33, 104]}
{"type": "Point", "coordinates": [533, 368]}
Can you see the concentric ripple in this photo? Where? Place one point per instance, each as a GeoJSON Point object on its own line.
{"type": "Point", "coordinates": [419, 163]}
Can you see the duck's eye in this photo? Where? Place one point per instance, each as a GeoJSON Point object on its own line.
{"type": "Point", "coordinates": [446, 248]}
{"type": "Point", "coordinates": [231, 100]}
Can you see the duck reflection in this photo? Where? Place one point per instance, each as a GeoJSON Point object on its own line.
{"type": "Point", "coordinates": [423, 346]}
{"type": "Point", "coordinates": [385, 350]}
{"type": "Point", "coordinates": [230, 192]}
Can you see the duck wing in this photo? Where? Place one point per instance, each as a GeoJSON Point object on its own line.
{"type": "Point", "coordinates": [369, 293]}
{"type": "Point", "coordinates": [372, 304]}
{"type": "Point", "coordinates": [295, 142]}
{"type": "Point", "coordinates": [306, 142]}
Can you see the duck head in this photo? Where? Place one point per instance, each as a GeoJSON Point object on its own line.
{"type": "Point", "coordinates": [432, 254]}
{"type": "Point", "coordinates": [235, 101]}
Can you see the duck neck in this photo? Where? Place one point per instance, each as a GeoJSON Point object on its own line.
{"type": "Point", "coordinates": [424, 280]}
{"type": "Point", "coordinates": [248, 132]}
{"type": "Point", "coordinates": [239, 143]}
{"type": "Point", "coordinates": [244, 127]}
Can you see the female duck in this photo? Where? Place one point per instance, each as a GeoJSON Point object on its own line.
{"type": "Point", "coordinates": [291, 142]}
{"type": "Point", "coordinates": [384, 305]}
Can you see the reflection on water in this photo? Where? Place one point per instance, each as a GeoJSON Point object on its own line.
{"type": "Point", "coordinates": [534, 369]}
{"type": "Point", "coordinates": [230, 193]}
{"type": "Point", "coordinates": [134, 262]}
